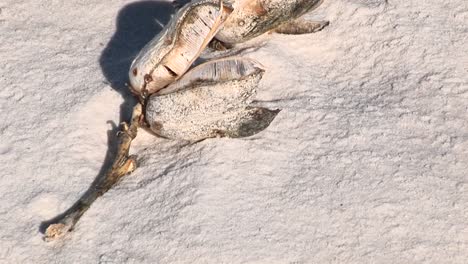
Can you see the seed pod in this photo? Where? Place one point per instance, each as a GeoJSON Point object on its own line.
{"type": "Point", "coordinates": [170, 54]}
{"type": "Point", "coordinates": [211, 100]}
{"type": "Point", "coordinates": [251, 18]}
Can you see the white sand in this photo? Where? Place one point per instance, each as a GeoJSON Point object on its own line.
{"type": "Point", "coordinates": [367, 162]}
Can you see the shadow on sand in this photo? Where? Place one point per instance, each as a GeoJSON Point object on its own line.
{"type": "Point", "coordinates": [137, 24]}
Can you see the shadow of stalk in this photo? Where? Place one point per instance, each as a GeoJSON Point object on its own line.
{"type": "Point", "coordinates": [137, 24]}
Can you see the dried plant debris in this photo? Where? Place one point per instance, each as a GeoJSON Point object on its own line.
{"type": "Point", "coordinates": [211, 100]}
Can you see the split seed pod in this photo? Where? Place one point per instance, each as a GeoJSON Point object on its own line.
{"type": "Point", "coordinates": [170, 54]}
{"type": "Point", "coordinates": [211, 100]}
{"type": "Point", "coordinates": [251, 18]}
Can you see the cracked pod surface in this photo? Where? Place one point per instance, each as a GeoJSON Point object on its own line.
{"type": "Point", "coordinates": [211, 100]}
{"type": "Point", "coordinates": [251, 18]}
{"type": "Point", "coordinates": [170, 54]}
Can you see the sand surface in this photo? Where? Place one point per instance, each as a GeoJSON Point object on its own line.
{"type": "Point", "coordinates": [366, 163]}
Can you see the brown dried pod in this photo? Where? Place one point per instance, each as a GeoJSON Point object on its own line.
{"type": "Point", "coordinates": [213, 99]}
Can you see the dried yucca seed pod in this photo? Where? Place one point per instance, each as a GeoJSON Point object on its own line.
{"type": "Point", "coordinates": [170, 54]}
{"type": "Point", "coordinates": [211, 100]}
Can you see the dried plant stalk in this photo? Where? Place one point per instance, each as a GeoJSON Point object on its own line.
{"type": "Point", "coordinates": [122, 165]}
